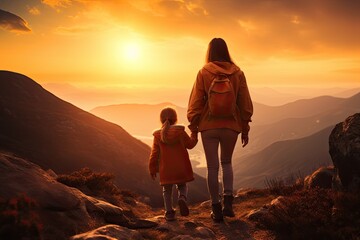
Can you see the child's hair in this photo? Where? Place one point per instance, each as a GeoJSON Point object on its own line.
{"type": "Point", "coordinates": [168, 117]}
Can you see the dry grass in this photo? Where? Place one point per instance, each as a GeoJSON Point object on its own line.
{"type": "Point", "coordinates": [316, 214]}
{"type": "Point", "coordinates": [285, 186]}
{"type": "Point", "coordinates": [101, 185]}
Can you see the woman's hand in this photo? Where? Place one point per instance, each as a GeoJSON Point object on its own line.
{"type": "Point", "coordinates": [244, 139]}
{"type": "Point", "coordinates": [153, 176]}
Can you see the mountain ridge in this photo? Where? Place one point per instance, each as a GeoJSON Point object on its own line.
{"type": "Point", "coordinates": [55, 134]}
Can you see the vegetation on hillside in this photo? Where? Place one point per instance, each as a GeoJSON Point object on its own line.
{"type": "Point", "coordinates": [101, 185]}
{"type": "Point", "coordinates": [19, 218]}
{"type": "Point", "coordinates": [313, 213]}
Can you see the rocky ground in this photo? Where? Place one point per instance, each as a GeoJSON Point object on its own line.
{"type": "Point", "coordinates": [199, 225]}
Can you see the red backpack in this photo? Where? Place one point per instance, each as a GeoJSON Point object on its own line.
{"type": "Point", "coordinates": [221, 98]}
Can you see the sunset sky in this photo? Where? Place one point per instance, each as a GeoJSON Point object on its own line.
{"type": "Point", "coordinates": [162, 43]}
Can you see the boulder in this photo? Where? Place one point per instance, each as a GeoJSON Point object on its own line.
{"type": "Point", "coordinates": [63, 211]}
{"type": "Point", "coordinates": [344, 149]}
{"type": "Point", "coordinates": [322, 178]}
{"type": "Point", "coordinates": [109, 232]}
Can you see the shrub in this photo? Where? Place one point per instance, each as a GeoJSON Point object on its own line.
{"type": "Point", "coordinates": [19, 219]}
{"type": "Point", "coordinates": [96, 184]}
{"type": "Point", "coordinates": [316, 214]}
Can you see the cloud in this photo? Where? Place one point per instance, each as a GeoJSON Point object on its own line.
{"type": "Point", "coordinates": [296, 28]}
{"type": "Point", "coordinates": [290, 27]}
{"type": "Point", "coordinates": [13, 22]}
{"type": "Point", "coordinates": [34, 11]}
{"type": "Point", "coordinates": [57, 3]}
{"type": "Point", "coordinates": [74, 30]}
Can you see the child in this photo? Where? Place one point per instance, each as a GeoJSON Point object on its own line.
{"type": "Point", "coordinates": [170, 158]}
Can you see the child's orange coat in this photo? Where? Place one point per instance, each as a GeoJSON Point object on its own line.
{"type": "Point", "coordinates": [171, 159]}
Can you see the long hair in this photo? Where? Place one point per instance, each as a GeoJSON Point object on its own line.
{"type": "Point", "coordinates": [218, 51]}
{"type": "Point", "coordinates": [168, 117]}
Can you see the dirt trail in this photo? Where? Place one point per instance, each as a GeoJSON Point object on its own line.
{"type": "Point", "coordinates": [239, 227]}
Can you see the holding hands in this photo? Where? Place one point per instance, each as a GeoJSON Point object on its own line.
{"type": "Point", "coordinates": [153, 176]}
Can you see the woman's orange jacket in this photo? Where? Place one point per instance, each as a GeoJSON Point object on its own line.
{"type": "Point", "coordinates": [198, 110]}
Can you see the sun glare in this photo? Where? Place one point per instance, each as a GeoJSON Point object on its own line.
{"type": "Point", "coordinates": [131, 51]}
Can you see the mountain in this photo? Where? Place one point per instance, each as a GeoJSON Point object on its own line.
{"type": "Point", "coordinates": [264, 114]}
{"type": "Point", "coordinates": [290, 121]}
{"type": "Point", "coordinates": [293, 128]}
{"type": "Point", "coordinates": [283, 159]}
{"type": "Point", "coordinates": [138, 119]}
{"type": "Point", "coordinates": [38, 126]}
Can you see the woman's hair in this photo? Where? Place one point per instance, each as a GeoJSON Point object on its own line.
{"type": "Point", "coordinates": [218, 51]}
{"type": "Point", "coordinates": [168, 117]}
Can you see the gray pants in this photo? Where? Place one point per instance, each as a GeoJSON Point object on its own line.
{"type": "Point", "coordinates": [168, 194]}
{"type": "Point", "coordinates": [211, 139]}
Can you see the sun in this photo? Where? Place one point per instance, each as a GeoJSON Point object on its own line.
{"type": "Point", "coordinates": [131, 51]}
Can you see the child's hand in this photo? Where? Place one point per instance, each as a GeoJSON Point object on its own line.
{"type": "Point", "coordinates": [153, 176]}
{"type": "Point", "coordinates": [194, 135]}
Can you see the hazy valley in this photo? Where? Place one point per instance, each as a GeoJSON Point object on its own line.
{"type": "Point", "coordinates": [289, 139]}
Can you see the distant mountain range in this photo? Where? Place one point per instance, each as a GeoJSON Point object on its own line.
{"type": "Point", "coordinates": [300, 118]}
{"type": "Point", "coordinates": [264, 114]}
{"type": "Point", "coordinates": [40, 127]}
{"type": "Point", "coordinates": [138, 119]}
{"type": "Point", "coordinates": [278, 134]}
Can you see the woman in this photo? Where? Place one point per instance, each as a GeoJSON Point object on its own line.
{"type": "Point", "coordinates": [220, 130]}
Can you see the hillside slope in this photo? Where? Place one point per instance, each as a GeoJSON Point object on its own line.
{"type": "Point", "coordinates": [294, 128]}
{"type": "Point", "coordinates": [282, 159]}
{"type": "Point", "coordinates": [54, 134]}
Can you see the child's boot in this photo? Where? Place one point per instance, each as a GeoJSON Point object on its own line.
{"type": "Point", "coordinates": [184, 210]}
{"type": "Point", "coordinates": [228, 208]}
{"type": "Point", "coordinates": [170, 215]}
{"type": "Point", "coordinates": [217, 214]}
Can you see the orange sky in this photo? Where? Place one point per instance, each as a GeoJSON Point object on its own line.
{"type": "Point", "coordinates": [162, 43]}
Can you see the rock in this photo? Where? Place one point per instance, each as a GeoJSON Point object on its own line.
{"type": "Point", "coordinates": [190, 225]}
{"type": "Point", "coordinates": [257, 214]}
{"type": "Point", "coordinates": [322, 178]}
{"type": "Point", "coordinates": [205, 232]}
{"type": "Point", "coordinates": [344, 148]}
{"type": "Point", "coordinates": [63, 211]}
{"type": "Point", "coordinates": [278, 202]}
{"type": "Point", "coordinates": [183, 237]}
{"type": "Point", "coordinates": [109, 232]}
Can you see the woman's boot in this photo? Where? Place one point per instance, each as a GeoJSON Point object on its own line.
{"type": "Point", "coordinates": [217, 214]}
{"type": "Point", "coordinates": [228, 208]}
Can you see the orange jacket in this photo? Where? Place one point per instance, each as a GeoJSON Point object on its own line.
{"type": "Point", "coordinates": [171, 159]}
{"type": "Point", "coordinates": [198, 110]}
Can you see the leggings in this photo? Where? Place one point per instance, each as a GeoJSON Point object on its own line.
{"type": "Point", "coordinates": [211, 139]}
{"type": "Point", "coordinates": [168, 193]}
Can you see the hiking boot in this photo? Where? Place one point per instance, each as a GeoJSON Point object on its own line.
{"type": "Point", "coordinates": [217, 214]}
{"type": "Point", "coordinates": [184, 210]}
{"type": "Point", "coordinates": [228, 208]}
{"type": "Point", "coordinates": [170, 215]}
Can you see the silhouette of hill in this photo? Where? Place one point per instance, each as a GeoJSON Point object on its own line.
{"type": "Point", "coordinates": [52, 133]}
{"type": "Point", "coordinates": [283, 159]}
{"type": "Point", "coordinates": [138, 119]}
{"type": "Point", "coordinates": [293, 128]}
{"type": "Point", "coordinates": [298, 109]}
